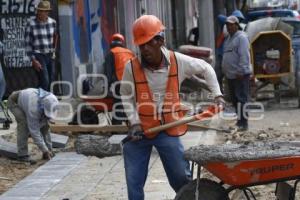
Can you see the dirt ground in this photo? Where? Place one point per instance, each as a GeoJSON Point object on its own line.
{"type": "Point", "coordinates": [280, 122]}
{"type": "Point", "coordinates": [12, 171]}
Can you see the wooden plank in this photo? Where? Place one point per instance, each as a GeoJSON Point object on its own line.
{"type": "Point", "coordinates": [59, 128]}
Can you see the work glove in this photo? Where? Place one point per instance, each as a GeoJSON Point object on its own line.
{"type": "Point", "coordinates": [219, 100]}
{"type": "Point", "coordinates": [135, 132]}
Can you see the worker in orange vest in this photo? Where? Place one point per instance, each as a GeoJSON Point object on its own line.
{"type": "Point", "coordinates": [152, 99]}
{"type": "Point", "coordinates": [114, 66]}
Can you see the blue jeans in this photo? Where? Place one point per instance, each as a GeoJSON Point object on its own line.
{"type": "Point", "coordinates": [239, 92]}
{"type": "Point", "coordinates": [137, 156]}
{"type": "Point", "coordinates": [46, 75]}
{"type": "Point", "coordinates": [2, 83]}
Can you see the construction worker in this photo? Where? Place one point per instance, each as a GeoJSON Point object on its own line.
{"type": "Point", "coordinates": [220, 43]}
{"type": "Point", "coordinates": [33, 108]}
{"type": "Point", "coordinates": [237, 69]}
{"type": "Point", "coordinates": [152, 99]}
{"type": "Point", "coordinates": [240, 17]}
{"type": "Point", "coordinates": [114, 66]}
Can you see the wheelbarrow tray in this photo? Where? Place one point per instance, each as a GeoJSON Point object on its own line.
{"type": "Point", "coordinates": [249, 164]}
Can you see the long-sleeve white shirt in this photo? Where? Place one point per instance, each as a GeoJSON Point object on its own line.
{"type": "Point", "coordinates": [157, 81]}
{"type": "Point", "coordinates": [28, 101]}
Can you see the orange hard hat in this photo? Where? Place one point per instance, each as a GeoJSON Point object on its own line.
{"type": "Point", "coordinates": [145, 28]}
{"type": "Point", "coordinates": [117, 37]}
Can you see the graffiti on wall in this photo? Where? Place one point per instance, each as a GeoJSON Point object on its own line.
{"type": "Point", "coordinates": [102, 27]}
{"type": "Point", "coordinates": [97, 50]}
{"type": "Point", "coordinates": [14, 15]}
{"type": "Point", "coordinates": [108, 21]}
{"type": "Point", "coordinates": [93, 24]}
{"type": "Point", "coordinates": [81, 30]}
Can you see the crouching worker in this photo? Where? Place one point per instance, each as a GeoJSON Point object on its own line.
{"type": "Point", "coordinates": [32, 109]}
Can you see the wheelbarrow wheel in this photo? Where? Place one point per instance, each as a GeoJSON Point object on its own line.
{"type": "Point", "coordinates": [208, 190]}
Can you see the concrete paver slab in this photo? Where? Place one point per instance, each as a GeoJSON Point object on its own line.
{"type": "Point", "coordinates": [82, 180]}
{"type": "Point", "coordinates": [8, 149]}
{"type": "Point", "coordinates": [44, 178]}
{"type": "Point", "coordinates": [59, 141]}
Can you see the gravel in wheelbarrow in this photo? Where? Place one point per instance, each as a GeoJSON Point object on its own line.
{"type": "Point", "coordinates": [203, 154]}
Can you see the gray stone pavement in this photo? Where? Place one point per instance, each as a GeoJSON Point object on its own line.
{"type": "Point", "coordinates": [72, 176]}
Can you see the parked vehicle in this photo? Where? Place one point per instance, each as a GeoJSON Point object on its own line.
{"type": "Point", "coordinates": [258, 14]}
{"type": "Point", "coordinates": [295, 23]}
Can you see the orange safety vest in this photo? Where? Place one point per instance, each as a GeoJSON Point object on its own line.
{"type": "Point", "coordinates": [220, 40]}
{"type": "Point", "coordinates": [147, 109]}
{"type": "Point", "coordinates": [122, 56]}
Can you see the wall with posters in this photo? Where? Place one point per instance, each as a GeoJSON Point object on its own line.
{"type": "Point", "coordinates": [16, 65]}
{"type": "Point", "coordinates": [85, 29]}
{"type": "Point", "coordinates": [14, 16]}
{"type": "Point", "coordinates": [93, 22]}
{"type": "Point", "coordinates": [81, 30]}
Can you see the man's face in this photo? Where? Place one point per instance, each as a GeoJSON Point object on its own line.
{"type": "Point", "coordinates": [151, 52]}
{"type": "Point", "coordinates": [42, 15]}
{"type": "Point", "coordinates": [232, 28]}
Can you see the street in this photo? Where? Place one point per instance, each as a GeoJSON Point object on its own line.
{"type": "Point", "coordinates": [91, 178]}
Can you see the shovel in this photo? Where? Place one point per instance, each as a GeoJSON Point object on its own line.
{"type": "Point", "coordinates": [211, 128]}
{"type": "Point", "coordinates": [117, 139]}
{"type": "Point", "coordinates": [208, 113]}
{"type": "Point", "coordinates": [115, 143]}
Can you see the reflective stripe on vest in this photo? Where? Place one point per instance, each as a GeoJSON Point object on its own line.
{"type": "Point", "coordinates": [146, 107]}
{"type": "Point", "coordinates": [122, 56]}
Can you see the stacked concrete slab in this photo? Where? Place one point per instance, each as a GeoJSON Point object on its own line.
{"type": "Point", "coordinates": [9, 149]}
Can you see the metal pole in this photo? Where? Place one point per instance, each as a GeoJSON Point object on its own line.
{"type": "Point", "coordinates": [206, 24]}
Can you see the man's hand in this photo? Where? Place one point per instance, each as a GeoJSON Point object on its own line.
{"type": "Point", "coordinates": [135, 132]}
{"type": "Point", "coordinates": [36, 65]}
{"type": "Point", "coordinates": [219, 100]}
{"type": "Point", "coordinates": [48, 155]}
